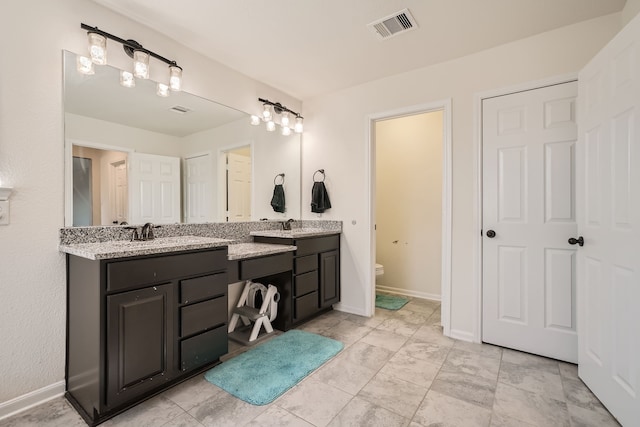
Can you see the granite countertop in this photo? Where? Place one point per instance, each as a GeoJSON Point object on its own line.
{"type": "Point", "coordinates": [295, 233]}
{"type": "Point", "coordinates": [252, 250]}
{"type": "Point", "coordinates": [124, 248]}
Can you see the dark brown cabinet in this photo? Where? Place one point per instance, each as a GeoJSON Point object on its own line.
{"type": "Point", "coordinates": [136, 326]}
{"type": "Point", "coordinates": [316, 278]}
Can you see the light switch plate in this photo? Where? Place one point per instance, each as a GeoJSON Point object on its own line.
{"type": "Point", "coordinates": [4, 212]}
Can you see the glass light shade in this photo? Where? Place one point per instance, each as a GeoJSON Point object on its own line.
{"type": "Point", "coordinates": [271, 125]}
{"type": "Point", "coordinates": [175, 77]}
{"type": "Point", "coordinates": [97, 48]}
{"type": "Point", "coordinates": [84, 65]}
{"type": "Point", "coordinates": [286, 130]}
{"type": "Point", "coordinates": [255, 120]}
{"type": "Point", "coordinates": [266, 113]}
{"type": "Point", "coordinates": [284, 121]}
{"type": "Point", "coordinates": [126, 79]}
{"type": "Point", "coordinates": [141, 64]}
{"type": "Point", "coordinates": [298, 128]}
{"type": "Point", "coordinates": [162, 90]}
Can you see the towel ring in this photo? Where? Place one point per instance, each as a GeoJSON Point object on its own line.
{"type": "Point", "coordinates": [318, 171]}
{"type": "Point", "coordinates": [280, 175]}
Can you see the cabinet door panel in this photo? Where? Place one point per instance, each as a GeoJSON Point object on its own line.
{"type": "Point", "coordinates": [204, 348]}
{"type": "Point", "coordinates": [329, 278]}
{"type": "Point", "coordinates": [139, 342]}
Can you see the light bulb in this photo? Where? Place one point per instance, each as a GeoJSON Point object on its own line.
{"type": "Point", "coordinates": [255, 120]}
{"type": "Point", "coordinates": [84, 65]}
{"type": "Point", "coordinates": [266, 113]}
{"type": "Point", "coordinates": [163, 90]}
{"type": "Point", "coordinates": [126, 79]}
{"type": "Point", "coordinates": [271, 126]}
{"type": "Point", "coordinates": [97, 48]}
{"type": "Point", "coordinates": [298, 128]}
{"type": "Point", "coordinates": [286, 130]}
{"type": "Point", "coordinates": [284, 121]}
{"type": "Point", "coordinates": [175, 77]}
{"type": "Point", "coordinates": [141, 64]}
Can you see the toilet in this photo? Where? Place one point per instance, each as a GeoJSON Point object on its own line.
{"type": "Point", "coordinates": [379, 271]}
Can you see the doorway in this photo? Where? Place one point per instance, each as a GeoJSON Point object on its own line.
{"type": "Point", "coordinates": [406, 253]}
{"type": "Point", "coordinates": [237, 190]}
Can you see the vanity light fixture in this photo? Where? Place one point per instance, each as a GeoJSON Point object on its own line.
{"type": "Point", "coordinates": [126, 79]}
{"type": "Point", "coordinates": [162, 90]}
{"type": "Point", "coordinates": [272, 108]}
{"type": "Point", "coordinates": [140, 55]}
{"type": "Point", "coordinates": [84, 65]}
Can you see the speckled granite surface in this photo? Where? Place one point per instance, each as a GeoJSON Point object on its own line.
{"type": "Point", "coordinates": [252, 250]}
{"type": "Point", "coordinates": [294, 233]}
{"type": "Point", "coordinates": [124, 248]}
{"type": "Point", "coordinates": [113, 241]}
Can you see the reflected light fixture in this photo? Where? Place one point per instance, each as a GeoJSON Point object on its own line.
{"type": "Point", "coordinates": [272, 108]}
{"type": "Point", "coordinates": [126, 79]}
{"type": "Point", "coordinates": [162, 90]}
{"type": "Point", "coordinates": [84, 65]}
{"type": "Point", "coordinates": [98, 52]}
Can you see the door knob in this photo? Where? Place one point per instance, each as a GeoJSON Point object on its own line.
{"type": "Point", "coordinates": [579, 241]}
{"type": "Point", "coordinates": [491, 234]}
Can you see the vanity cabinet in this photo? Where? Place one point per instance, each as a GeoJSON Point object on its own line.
{"type": "Point", "coordinates": [138, 325]}
{"type": "Point", "coordinates": [316, 277]}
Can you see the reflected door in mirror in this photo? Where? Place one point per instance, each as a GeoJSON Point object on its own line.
{"type": "Point", "coordinates": [155, 189]}
{"type": "Point", "coordinates": [238, 188]}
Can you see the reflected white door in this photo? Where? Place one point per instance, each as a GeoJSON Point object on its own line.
{"type": "Point", "coordinates": [198, 189]}
{"type": "Point", "coordinates": [154, 184]}
{"type": "Point", "coordinates": [238, 188]}
{"type": "Point", "coordinates": [528, 288]}
{"type": "Point", "coordinates": [608, 188]}
{"type": "Point", "coordinates": [120, 191]}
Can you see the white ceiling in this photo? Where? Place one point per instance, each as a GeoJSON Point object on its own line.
{"type": "Point", "coordinates": [306, 48]}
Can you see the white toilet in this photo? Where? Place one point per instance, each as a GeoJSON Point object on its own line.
{"type": "Point", "coordinates": [379, 271]}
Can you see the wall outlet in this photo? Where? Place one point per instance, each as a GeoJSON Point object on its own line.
{"type": "Point", "coordinates": [4, 212]}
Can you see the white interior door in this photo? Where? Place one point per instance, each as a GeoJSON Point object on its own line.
{"type": "Point", "coordinates": [198, 189]}
{"type": "Point", "coordinates": [528, 288]}
{"type": "Point", "coordinates": [120, 191]}
{"type": "Point", "coordinates": [238, 187]}
{"type": "Point", "coordinates": [608, 187]}
{"type": "Point", "coordinates": [154, 189]}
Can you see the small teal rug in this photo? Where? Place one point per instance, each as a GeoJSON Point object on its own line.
{"type": "Point", "coordinates": [258, 376]}
{"type": "Point", "coordinates": [390, 302]}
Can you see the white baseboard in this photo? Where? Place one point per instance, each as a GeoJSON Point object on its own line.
{"type": "Point", "coordinates": [462, 335]}
{"type": "Point", "coordinates": [31, 399]}
{"type": "Point", "coordinates": [409, 293]}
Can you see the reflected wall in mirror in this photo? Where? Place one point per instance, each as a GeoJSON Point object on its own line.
{"type": "Point", "coordinates": [133, 156]}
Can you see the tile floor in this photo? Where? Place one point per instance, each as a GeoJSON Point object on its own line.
{"type": "Point", "coordinates": [397, 369]}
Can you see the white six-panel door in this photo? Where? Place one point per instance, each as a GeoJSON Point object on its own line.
{"type": "Point", "coordinates": [238, 188]}
{"type": "Point", "coordinates": [198, 180]}
{"type": "Point", "coordinates": [154, 183]}
{"type": "Point", "coordinates": [608, 189]}
{"type": "Point", "coordinates": [528, 216]}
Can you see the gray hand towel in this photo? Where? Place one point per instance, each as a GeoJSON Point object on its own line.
{"type": "Point", "coordinates": [277, 201]}
{"type": "Point", "coordinates": [319, 198]}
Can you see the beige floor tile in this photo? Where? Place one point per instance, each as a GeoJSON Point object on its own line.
{"type": "Point", "coordinates": [347, 332]}
{"type": "Point", "coordinates": [275, 416]}
{"type": "Point", "coordinates": [192, 392]}
{"type": "Point", "coordinates": [445, 411]}
{"type": "Point", "coordinates": [425, 351]}
{"type": "Point", "coordinates": [433, 334]}
{"type": "Point", "coordinates": [360, 412]}
{"type": "Point", "coordinates": [410, 369]}
{"type": "Point", "coordinates": [224, 410]}
{"type": "Point", "coordinates": [532, 361]}
{"type": "Point", "coordinates": [568, 370]}
{"type": "Point", "coordinates": [345, 375]}
{"type": "Point", "coordinates": [314, 402]}
{"type": "Point", "coordinates": [367, 355]}
{"type": "Point", "coordinates": [486, 350]}
{"type": "Point", "coordinates": [184, 420]}
{"type": "Point", "coordinates": [371, 322]}
{"type": "Point", "coordinates": [394, 394]}
{"type": "Point", "coordinates": [150, 413]}
{"type": "Point", "coordinates": [470, 388]}
{"type": "Point", "coordinates": [534, 380]}
{"type": "Point", "coordinates": [55, 413]}
{"type": "Point", "coordinates": [398, 326]}
{"type": "Point", "coordinates": [384, 339]}
{"type": "Point", "coordinates": [530, 407]}
{"type": "Point", "coordinates": [472, 363]}
{"type": "Point", "coordinates": [599, 417]}
{"type": "Point", "coordinates": [504, 421]}
{"type": "Point", "coordinates": [578, 394]}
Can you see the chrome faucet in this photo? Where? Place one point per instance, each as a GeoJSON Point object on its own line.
{"type": "Point", "coordinates": [147, 231]}
{"type": "Point", "coordinates": [286, 225]}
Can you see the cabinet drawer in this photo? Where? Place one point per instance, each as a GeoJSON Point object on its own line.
{"type": "Point", "coordinates": [203, 287]}
{"type": "Point", "coordinates": [265, 266]}
{"type": "Point", "coordinates": [204, 348]}
{"type": "Point", "coordinates": [305, 306]}
{"type": "Point", "coordinates": [317, 244]}
{"type": "Point", "coordinates": [203, 315]}
{"type": "Point", "coordinates": [305, 283]}
{"type": "Point", "coordinates": [305, 263]}
{"type": "Point", "coordinates": [135, 272]}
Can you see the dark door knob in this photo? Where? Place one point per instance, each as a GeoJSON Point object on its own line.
{"type": "Point", "coordinates": [579, 241]}
{"type": "Point", "coordinates": [491, 234]}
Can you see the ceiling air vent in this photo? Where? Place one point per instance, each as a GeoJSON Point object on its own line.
{"type": "Point", "coordinates": [179, 109]}
{"type": "Point", "coordinates": [392, 25]}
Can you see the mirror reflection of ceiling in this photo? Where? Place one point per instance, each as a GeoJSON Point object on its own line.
{"type": "Point", "coordinates": [100, 96]}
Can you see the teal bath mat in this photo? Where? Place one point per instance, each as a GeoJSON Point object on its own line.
{"type": "Point", "coordinates": [390, 302]}
{"type": "Point", "coordinates": [258, 376]}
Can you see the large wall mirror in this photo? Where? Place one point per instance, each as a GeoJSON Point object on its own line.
{"type": "Point", "coordinates": [133, 156]}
